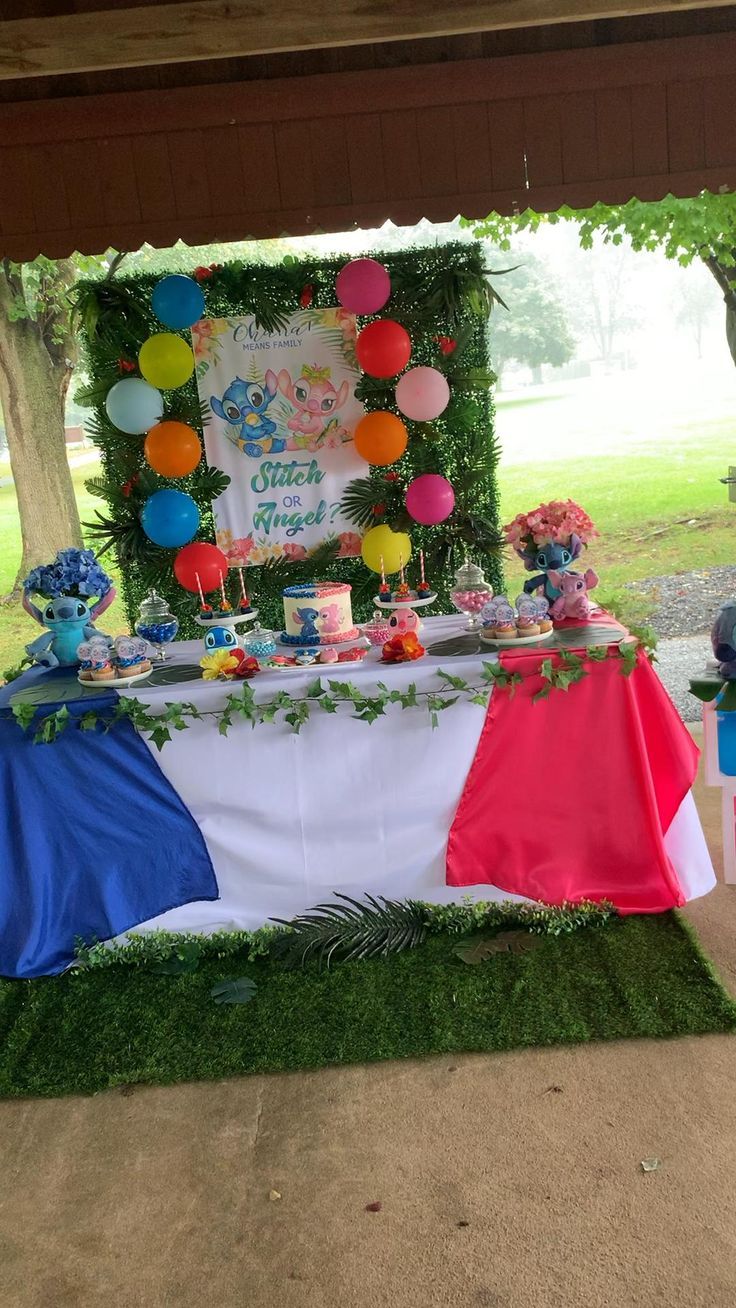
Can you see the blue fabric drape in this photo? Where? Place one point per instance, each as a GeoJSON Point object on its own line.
{"type": "Point", "coordinates": [93, 838]}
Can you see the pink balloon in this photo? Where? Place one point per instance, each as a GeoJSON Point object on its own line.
{"type": "Point", "coordinates": [363, 286]}
{"type": "Point", "coordinates": [422, 394]}
{"type": "Point", "coordinates": [430, 499]}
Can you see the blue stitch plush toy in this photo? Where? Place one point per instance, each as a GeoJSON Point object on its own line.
{"type": "Point", "coordinates": [67, 586]}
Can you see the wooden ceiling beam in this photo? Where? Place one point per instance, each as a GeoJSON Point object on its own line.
{"type": "Point", "coordinates": [217, 29]}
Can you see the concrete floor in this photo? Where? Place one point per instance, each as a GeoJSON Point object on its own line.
{"type": "Point", "coordinates": [510, 1181]}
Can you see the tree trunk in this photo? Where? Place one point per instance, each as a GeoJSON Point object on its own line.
{"type": "Point", "coordinates": [33, 388]}
{"type": "Point", "coordinates": [726, 279]}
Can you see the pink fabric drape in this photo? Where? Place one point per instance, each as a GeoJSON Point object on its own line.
{"type": "Point", "coordinates": [570, 798]}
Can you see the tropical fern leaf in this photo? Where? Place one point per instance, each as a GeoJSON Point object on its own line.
{"type": "Point", "coordinates": [352, 929]}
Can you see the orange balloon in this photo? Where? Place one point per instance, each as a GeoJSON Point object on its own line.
{"type": "Point", "coordinates": [381, 438]}
{"type": "Point", "coordinates": [172, 449]}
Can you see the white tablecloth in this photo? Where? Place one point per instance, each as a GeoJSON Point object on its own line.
{"type": "Point", "coordinates": [345, 805]}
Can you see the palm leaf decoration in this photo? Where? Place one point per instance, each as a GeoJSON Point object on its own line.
{"type": "Point", "coordinates": [352, 930]}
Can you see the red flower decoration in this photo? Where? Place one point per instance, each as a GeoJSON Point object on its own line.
{"type": "Point", "coordinates": [202, 274]}
{"type": "Point", "coordinates": [402, 649]}
{"type": "Point", "coordinates": [248, 667]}
{"type": "Point", "coordinates": [128, 486]}
{"type": "Point", "coordinates": [378, 509]}
{"type": "Point", "coordinates": [391, 476]}
{"type": "Point", "coordinates": [447, 344]}
{"type": "Point", "coordinates": [307, 295]}
{"type": "Point", "coordinates": [125, 365]}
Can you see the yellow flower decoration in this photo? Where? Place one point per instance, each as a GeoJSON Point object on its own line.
{"type": "Point", "coordinates": [216, 664]}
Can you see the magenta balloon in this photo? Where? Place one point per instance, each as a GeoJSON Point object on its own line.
{"type": "Point", "coordinates": [422, 394]}
{"type": "Point", "coordinates": [363, 286]}
{"type": "Point", "coordinates": [430, 499]}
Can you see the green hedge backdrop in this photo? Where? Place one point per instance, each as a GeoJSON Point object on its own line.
{"type": "Point", "coordinates": [442, 296]}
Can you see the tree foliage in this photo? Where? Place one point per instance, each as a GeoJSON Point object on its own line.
{"type": "Point", "coordinates": [684, 229]}
{"type": "Point", "coordinates": [535, 330]}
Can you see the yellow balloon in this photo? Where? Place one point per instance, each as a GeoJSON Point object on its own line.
{"type": "Point", "coordinates": [394, 547]}
{"type": "Point", "coordinates": [166, 361]}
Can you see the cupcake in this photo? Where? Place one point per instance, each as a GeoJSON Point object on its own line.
{"type": "Point", "coordinates": [526, 623]}
{"type": "Point", "coordinates": [505, 623]}
{"type": "Point", "coordinates": [541, 606]}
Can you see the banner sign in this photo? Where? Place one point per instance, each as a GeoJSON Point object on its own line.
{"type": "Point", "coordinates": [283, 416]}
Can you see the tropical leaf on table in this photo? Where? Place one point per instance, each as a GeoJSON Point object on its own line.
{"type": "Point", "coordinates": [352, 929]}
{"type": "Point", "coordinates": [238, 990]}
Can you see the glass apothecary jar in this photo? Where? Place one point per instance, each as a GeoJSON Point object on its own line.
{"type": "Point", "coordinates": [470, 591]}
{"type": "Point", "coordinates": [157, 624]}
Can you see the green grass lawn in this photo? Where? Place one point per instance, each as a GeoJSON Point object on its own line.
{"type": "Point", "coordinates": [660, 510]}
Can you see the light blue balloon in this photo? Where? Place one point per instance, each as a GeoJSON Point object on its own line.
{"type": "Point", "coordinates": [170, 518]}
{"type": "Point", "coordinates": [177, 301]}
{"type": "Point", "coordinates": [134, 406]}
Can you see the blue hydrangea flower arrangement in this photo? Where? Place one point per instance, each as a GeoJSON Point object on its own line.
{"type": "Point", "coordinates": [73, 572]}
{"type": "Point", "coordinates": [67, 586]}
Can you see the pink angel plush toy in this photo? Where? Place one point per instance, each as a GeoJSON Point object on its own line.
{"type": "Point", "coordinates": [573, 602]}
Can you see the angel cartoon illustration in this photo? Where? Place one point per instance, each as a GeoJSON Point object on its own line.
{"type": "Point", "coordinates": [316, 401]}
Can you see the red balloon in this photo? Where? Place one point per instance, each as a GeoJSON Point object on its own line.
{"type": "Point", "coordinates": [383, 348]}
{"type": "Point", "coordinates": [200, 560]}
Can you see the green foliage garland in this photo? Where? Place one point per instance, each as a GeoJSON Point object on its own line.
{"type": "Point", "coordinates": [442, 295]}
{"type": "Point", "coordinates": [295, 711]}
{"type": "Point", "coordinates": [405, 923]}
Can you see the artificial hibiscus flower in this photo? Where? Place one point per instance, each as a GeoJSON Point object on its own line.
{"type": "Point", "coordinates": [220, 663]}
{"type": "Point", "coordinates": [402, 649]}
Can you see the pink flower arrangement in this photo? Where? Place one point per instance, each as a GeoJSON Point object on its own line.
{"type": "Point", "coordinates": [237, 551]}
{"type": "Point", "coordinates": [350, 543]}
{"type": "Point", "coordinates": [557, 520]}
{"type": "Point", "coordinates": [294, 552]}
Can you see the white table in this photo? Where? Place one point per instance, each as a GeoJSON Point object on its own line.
{"type": "Point", "coordinates": [345, 805]}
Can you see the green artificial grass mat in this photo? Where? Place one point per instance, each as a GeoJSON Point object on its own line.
{"type": "Point", "coordinates": [81, 1033]}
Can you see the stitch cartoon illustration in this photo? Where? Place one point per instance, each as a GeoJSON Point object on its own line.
{"type": "Point", "coordinates": [307, 619]}
{"type": "Point", "coordinates": [243, 407]}
{"type": "Point", "coordinates": [330, 619]}
{"type": "Point", "coordinates": [316, 402]}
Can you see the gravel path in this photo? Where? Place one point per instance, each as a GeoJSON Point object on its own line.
{"type": "Point", "coordinates": [678, 659]}
{"type": "Point", "coordinates": [688, 602]}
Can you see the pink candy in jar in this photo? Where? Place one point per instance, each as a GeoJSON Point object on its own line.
{"type": "Point", "coordinates": [470, 592]}
{"type": "Point", "coordinates": [378, 630]}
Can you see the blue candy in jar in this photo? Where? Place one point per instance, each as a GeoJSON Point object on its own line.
{"type": "Point", "coordinates": [260, 644]}
{"type": "Point", "coordinates": [156, 623]}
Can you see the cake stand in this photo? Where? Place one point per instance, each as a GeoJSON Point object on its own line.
{"type": "Point", "coordinates": [114, 683]}
{"type": "Point", "coordinates": [228, 621]}
{"type": "Point", "coordinates": [514, 641]}
{"type": "Point", "coordinates": [404, 604]}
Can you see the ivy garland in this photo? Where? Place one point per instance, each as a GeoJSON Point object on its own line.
{"type": "Point", "coordinates": [567, 670]}
{"type": "Point", "coordinates": [442, 295]}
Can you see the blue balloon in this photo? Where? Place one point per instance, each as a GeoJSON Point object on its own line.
{"type": "Point", "coordinates": [170, 518]}
{"type": "Point", "coordinates": [177, 301]}
{"type": "Point", "coordinates": [134, 406]}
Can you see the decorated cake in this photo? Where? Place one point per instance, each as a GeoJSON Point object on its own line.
{"type": "Point", "coordinates": [318, 614]}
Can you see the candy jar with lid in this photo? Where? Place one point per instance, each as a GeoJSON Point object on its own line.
{"type": "Point", "coordinates": [259, 643]}
{"type": "Point", "coordinates": [470, 591]}
{"type": "Point", "coordinates": [378, 630]}
{"type": "Point", "coordinates": [156, 623]}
